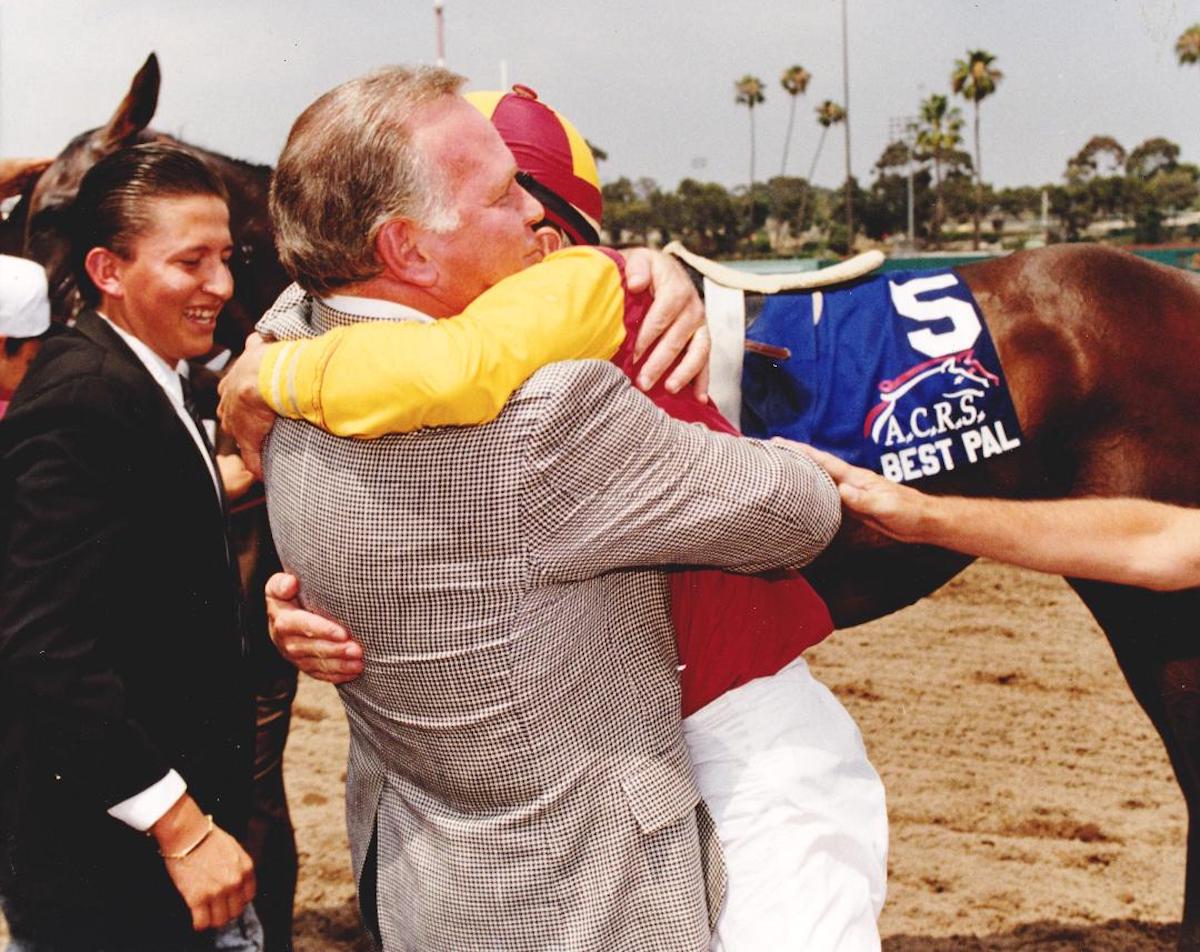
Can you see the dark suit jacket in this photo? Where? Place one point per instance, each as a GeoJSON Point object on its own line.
{"type": "Point", "coordinates": [120, 649]}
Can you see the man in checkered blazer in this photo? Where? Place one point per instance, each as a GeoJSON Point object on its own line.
{"type": "Point", "coordinates": [517, 773]}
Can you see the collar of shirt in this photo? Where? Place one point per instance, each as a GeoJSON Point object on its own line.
{"type": "Point", "coordinates": [340, 309]}
{"type": "Point", "coordinates": [167, 377]}
{"type": "Point", "coordinates": [163, 373]}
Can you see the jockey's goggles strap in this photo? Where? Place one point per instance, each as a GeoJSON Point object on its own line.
{"type": "Point", "coordinates": [578, 228]}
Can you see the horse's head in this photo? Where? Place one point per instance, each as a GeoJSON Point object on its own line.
{"type": "Point", "coordinates": [258, 276]}
{"type": "Point", "coordinates": [59, 183]}
{"type": "Point", "coordinates": [46, 231]}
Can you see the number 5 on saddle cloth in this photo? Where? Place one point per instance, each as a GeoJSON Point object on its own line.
{"type": "Point", "coordinates": [896, 372]}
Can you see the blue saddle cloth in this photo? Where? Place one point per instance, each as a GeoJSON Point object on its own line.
{"type": "Point", "coordinates": [899, 374]}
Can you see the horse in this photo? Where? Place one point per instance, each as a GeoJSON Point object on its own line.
{"type": "Point", "coordinates": [257, 274]}
{"type": "Point", "coordinates": [1101, 352]}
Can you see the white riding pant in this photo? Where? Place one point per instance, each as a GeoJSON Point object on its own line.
{"type": "Point", "coordinates": [800, 814]}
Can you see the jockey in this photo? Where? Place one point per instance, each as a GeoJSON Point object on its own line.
{"type": "Point", "coordinates": [777, 618]}
{"type": "Point", "coordinates": [780, 763]}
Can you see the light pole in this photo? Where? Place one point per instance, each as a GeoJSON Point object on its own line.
{"type": "Point", "coordinates": [846, 101]}
{"type": "Point", "coordinates": [441, 32]}
{"type": "Point", "coordinates": [903, 129]}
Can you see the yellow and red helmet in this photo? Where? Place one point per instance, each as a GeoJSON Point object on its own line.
{"type": "Point", "coordinates": [549, 151]}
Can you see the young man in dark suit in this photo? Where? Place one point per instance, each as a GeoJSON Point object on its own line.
{"type": "Point", "coordinates": [125, 717]}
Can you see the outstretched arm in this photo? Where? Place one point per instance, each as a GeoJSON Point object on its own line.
{"type": "Point", "coordinates": [1129, 541]}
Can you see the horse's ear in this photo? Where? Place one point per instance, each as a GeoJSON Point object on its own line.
{"type": "Point", "coordinates": [16, 175]}
{"type": "Point", "coordinates": [136, 109]}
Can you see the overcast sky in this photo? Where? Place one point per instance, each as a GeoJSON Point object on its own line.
{"type": "Point", "coordinates": [651, 81]}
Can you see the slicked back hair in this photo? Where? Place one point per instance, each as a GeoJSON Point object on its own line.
{"type": "Point", "coordinates": [112, 208]}
{"type": "Point", "coordinates": [349, 166]}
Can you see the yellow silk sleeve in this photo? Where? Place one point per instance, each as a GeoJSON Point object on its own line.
{"type": "Point", "coordinates": [379, 377]}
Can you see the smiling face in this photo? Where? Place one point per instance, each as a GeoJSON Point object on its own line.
{"type": "Point", "coordinates": [168, 289]}
{"type": "Point", "coordinates": [494, 236]}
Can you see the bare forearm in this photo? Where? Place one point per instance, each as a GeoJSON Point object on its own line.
{"type": "Point", "coordinates": [1131, 541]}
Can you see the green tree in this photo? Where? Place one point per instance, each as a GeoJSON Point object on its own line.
{"type": "Point", "coordinates": [1177, 189]}
{"type": "Point", "coordinates": [939, 135]}
{"type": "Point", "coordinates": [884, 209]}
{"type": "Point", "coordinates": [1101, 155]}
{"type": "Point", "coordinates": [756, 204]}
{"type": "Point", "coordinates": [794, 81]}
{"type": "Point", "coordinates": [666, 214]}
{"type": "Point", "coordinates": [710, 222]}
{"type": "Point", "coordinates": [1023, 201]}
{"type": "Point", "coordinates": [839, 234]}
{"type": "Point", "coordinates": [627, 215]}
{"type": "Point", "coordinates": [1157, 184]}
{"type": "Point", "coordinates": [958, 189]}
{"type": "Point", "coordinates": [1187, 47]}
{"type": "Point", "coordinates": [786, 197]}
{"type": "Point", "coordinates": [829, 114]}
{"type": "Point", "coordinates": [1152, 156]}
{"type": "Point", "coordinates": [975, 78]}
{"type": "Point", "coordinates": [1071, 205]}
{"type": "Point", "coordinates": [895, 155]}
{"type": "Point", "coordinates": [749, 93]}
{"type": "Point", "coordinates": [1096, 185]}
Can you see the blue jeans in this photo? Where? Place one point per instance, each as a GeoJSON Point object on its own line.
{"type": "Point", "coordinates": [244, 934]}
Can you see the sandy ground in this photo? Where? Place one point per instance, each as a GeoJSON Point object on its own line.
{"type": "Point", "coordinates": [1032, 806]}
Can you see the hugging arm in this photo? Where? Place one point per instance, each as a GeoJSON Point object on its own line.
{"type": "Point", "coordinates": [374, 378]}
{"type": "Point", "coordinates": [613, 482]}
{"type": "Point", "coordinates": [616, 483]}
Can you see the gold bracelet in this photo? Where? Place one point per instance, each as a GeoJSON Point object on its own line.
{"type": "Point", "coordinates": [203, 836]}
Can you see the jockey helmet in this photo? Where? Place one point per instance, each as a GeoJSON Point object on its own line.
{"type": "Point", "coordinates": [549, 151]}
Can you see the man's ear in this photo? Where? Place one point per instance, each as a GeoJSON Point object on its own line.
{"type": "Point", "coordinates": [398, 247]}
{"type": "Point", "coordinates": [548, 239]}
{"type": "Point", "coordinates": [105, 269]}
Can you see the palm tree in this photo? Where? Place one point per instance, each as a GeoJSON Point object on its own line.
{"type": "Point", "coordinates": [829, 114]}
{"type": "Point", "coordinates": [940, 133]}
{"type": "Point", "coordinates": [975, 78]}
{"type": "Point", "coordinates": [1187, 47]}
{"type": "Point", "coordinates": [794, 82]}
{"type": "Point", "coordinates": [749, 90]}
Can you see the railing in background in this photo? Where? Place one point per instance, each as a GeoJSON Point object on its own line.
{"type": "Point", "coordinates": [1182, 256]}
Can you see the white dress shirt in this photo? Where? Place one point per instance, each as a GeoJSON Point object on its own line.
{"type": "Point", "coordinates": [167, 377]}
{"type": "Point", "coordinates": [143, 810]}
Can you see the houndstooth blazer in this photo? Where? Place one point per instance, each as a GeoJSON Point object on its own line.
{"type": "Point", "coordinates": [515, 742]}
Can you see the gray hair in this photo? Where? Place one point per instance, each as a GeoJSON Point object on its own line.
{"type": "Point", "coordinates": [349, 166]}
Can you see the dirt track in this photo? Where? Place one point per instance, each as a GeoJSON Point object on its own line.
{"type": "Point", "coordinates": [1031, 803]}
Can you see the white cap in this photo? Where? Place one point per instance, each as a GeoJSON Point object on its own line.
{"type": "Point", "coordinates": [24, 298]}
